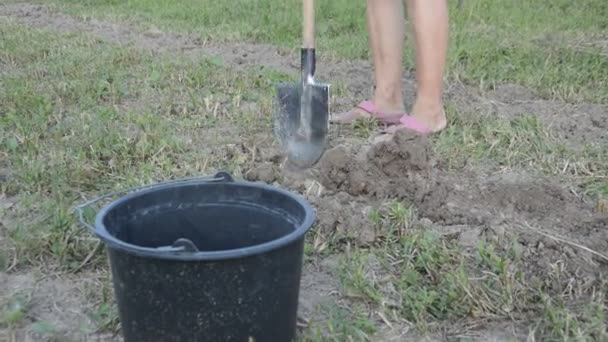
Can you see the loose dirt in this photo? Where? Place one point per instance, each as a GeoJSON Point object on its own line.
{"type": "Point", "coordinates": [400, 167]}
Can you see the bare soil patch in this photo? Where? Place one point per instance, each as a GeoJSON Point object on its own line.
{"type": "Point", "coordinates": [55, 307]}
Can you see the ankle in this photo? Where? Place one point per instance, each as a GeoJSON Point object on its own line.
{"type": "Point", "coordinates": [388, 97]}
{"type": "Point", "coordinates": [429, 102]}
{"type": "Point", "coordinates": [431, 109]}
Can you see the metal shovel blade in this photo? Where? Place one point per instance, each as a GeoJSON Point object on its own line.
{"type": "Point", "coordinates": [303, 138]}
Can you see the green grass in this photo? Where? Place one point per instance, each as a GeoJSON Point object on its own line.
{"type": "Point", "coordinates": [341, 324]}
{"type": "Point", "coordinates": [67, 131]}
{"type": "Point", "coordinates": [427, 279]}
{"type": "Point", "coordinates": [486, 141]}
{"type": "Point", "coordinates": [14, 311]}
{"type": "Point", "coordinates": [516, 41]}
{"type": "Point", "coordinates": [15, 305]}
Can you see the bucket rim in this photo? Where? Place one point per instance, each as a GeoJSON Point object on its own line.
{"type": "Point", "coordinates": [150, 252]}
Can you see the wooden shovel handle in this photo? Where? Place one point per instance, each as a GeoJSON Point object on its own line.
{"type": "Point", "coordinates": [308, 24]}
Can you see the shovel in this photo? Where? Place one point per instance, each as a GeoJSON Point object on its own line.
{"type": "Point", "coordinates": [302, 116]}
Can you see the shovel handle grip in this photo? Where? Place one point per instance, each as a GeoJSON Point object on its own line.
{"type": "Point", "coordinates": [308, 7]}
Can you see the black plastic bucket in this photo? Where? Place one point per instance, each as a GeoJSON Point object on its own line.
{"type": "Point", "coordinates": [209, 259]}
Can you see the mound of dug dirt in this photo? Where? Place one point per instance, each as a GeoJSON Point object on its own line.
{"type": "Point", "coordinates": [360, 177]}
{"type": "Point", "coordinates": [390, 166]}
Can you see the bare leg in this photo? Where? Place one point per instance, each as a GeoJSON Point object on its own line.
{"type": "Point", "coordinates": [386, 30]}
{"type": "Point", "coordinates": [430, 26]}
{"type": "Point", "coordinates": [386, 26]}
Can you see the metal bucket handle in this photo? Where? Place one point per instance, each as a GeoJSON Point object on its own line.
{"type": "Point", "coordinates": [180, 245]}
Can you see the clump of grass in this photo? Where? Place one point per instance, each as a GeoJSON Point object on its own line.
{"type": "Point", "coordinates": [516, 143]}
{"type": "Point", "coordinates": [340, 324]}
{"type": "Point", "coordinates": [55, 236]}
{"type": "Point", "coordinates": [522, 143]}
{"type": "Point", "coordinates": [426, 278]}
{"type": "Point", "coordinates": [14, 309]}
{"type": "Point", "coordinates": [365, 128]}
{"type": "Point", "coordinates": [431, 282]}
{"type": "Point", "coordinates": [48, 331]}
{"type": "Point", "coordinates": [394, 219]}
{"type": "Point", "coordinates": [561, 323]}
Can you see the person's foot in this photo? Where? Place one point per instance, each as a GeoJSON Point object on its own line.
{"type": "Point", "coordinates": [383, 112]}
{"type": "Point", "coordinates": [425, 118]}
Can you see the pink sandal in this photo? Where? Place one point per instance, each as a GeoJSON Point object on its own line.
{"type": "Point", "coordinates": [409, 122]}
{"type": "Point", "coordinates": [370, 109]}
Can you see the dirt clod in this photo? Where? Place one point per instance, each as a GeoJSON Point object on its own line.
{"type": "Point", "coordinates": [346, 217]}
{"type": "Point", "coordinates": [404, 152]}
{"type": "Point", "coordinates": [392, 166]}
{"type": "Point", "coordinates": [263, 172]}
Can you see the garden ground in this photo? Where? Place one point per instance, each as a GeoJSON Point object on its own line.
{"type": "Point", "coordinates": [494, 229]}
